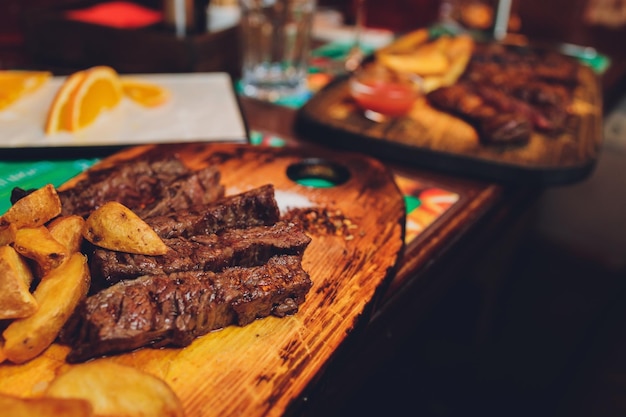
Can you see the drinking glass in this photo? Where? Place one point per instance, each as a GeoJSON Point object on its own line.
{"type": "Point", "coordinates": [355, 55]}
{"type": "Point", "coordinates": [275, 46]}
{"type": "Point", "coordinates": [495, 16]}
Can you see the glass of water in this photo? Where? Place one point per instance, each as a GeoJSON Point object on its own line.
{"type": "Point", "coordinates": [275, 47]}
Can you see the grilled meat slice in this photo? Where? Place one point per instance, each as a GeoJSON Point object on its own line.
{"type": "Point", "coordinates": [555, 68]}
{"type": "Point", "coordinates": [545, 116]}
{"type": "Point", "coordinates": [147, 186]}
{"type": "Point", "coordinates": [160, 310]}
{"type": "Point", "coordinates": [196, 188]}
{"type": "Point", "coordinates": [214, 252]}
{"type": "Point", "coordinates": [494, 125]}
{"type": "Point", "coordinates": [508, 104]}
{"type": "Point", "coordinates": [537, 84]}
{"type": "Point", "coordinates": [512, 63]}
{"type": "Point", "coordinates": [256, 207]}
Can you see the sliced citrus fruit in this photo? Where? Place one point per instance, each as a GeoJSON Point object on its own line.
{"type": "Point", "coordinates": [57, 112]}
{"type": "Point", "coordinates": [100, 89]}
{"type": "Point", "coordinates": [15, 84]}
{"type": "Point", "coordinates": [145, 93]}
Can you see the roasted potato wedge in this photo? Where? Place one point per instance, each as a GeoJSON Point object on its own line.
{"type": "Point", "coordinates": [16, 301]}
{"type": "Point", "coordinates": [68, 230]}
{"type": "Point", "coordinates": [116, 227]}
{"type": "Point", "coordinates": [7, 234]}
{"type": "Point", "coordinates": [460, 53]}
{"type": "Point", "coordinates": [38, 244]}
{"type": "Point", "coordinates": [427, 58]}
{"type": "Point", "coordinates": [35, 209]}
{"type": "Point", "coordinates": [57, 294]}
{"type": "Point", "coordinates": [407, 43]}
{"type": "Point", "coordinates": [44, 407]}
{"type": "Point", "coordinates": [117, 390]}
{"type": "Point", "coordinates": [439, 62]}
{"type": "Point", "coordinates": [416, 63]}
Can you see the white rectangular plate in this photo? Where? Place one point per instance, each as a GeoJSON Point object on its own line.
{"type": "Point", "coordinates": [202, 107]}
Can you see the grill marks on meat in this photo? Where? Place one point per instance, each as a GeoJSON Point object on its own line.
{"type": "Point", "coordinates": [231, 260]}
{"type": "Point", "coordinates": [148, 187]}
{"type": "Point", "coordinates": [198, 187]}
{"type": "Point", "coordinates": [234, 247]}
{"type": "Point", "coordinates": [256, 207]}
{"type": "Point", "coordinates": [517, 90]}
{"type": "Point", "coordinates": [160, 310]}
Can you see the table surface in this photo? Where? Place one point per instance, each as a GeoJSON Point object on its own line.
{"type": "Point", "coordinates": [481, 211]}
{"type": "Point", "coordinates": [431, 260]}
{"type": "Point", "coordinates": [455, 217]}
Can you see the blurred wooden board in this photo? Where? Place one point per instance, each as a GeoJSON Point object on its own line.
{"type": "Point", "coordinates": [434, 139]}
{"type": "Point", "coordinates": [264, 368]}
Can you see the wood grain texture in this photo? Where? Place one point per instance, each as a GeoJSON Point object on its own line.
{"type": "Point", "coordinates": [434, 139]}
{"type": "Point", "coordinates": [262, 368]}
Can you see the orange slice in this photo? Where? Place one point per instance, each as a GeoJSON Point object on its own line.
{"type": "Point", "coordinates": [100, 89]}
{"type": "Point", "coordinates": [144, 93]}
{"type": "Point", "coordinates": [58, 110]}
{"type": "Point", "coordinates": [16, 84]}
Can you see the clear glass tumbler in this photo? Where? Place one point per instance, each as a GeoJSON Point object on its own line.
{"type": "Point", "coordinates": [275, 47]}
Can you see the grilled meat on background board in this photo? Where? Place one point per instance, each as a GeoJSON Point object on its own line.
{"type": "Point", "coordinates": [506, 92]}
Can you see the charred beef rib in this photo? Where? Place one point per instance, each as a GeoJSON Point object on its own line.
{"type": "Point", "coordinates": [231, 260]}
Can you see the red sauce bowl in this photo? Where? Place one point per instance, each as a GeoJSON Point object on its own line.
{"type": "Point", "coordinates": [379, 90]}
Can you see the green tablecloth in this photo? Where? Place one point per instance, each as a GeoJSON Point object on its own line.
{"type": "Point", "coordinates": [35, 174]}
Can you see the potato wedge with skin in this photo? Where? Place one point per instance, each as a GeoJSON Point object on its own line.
{"type": "Point", "coordinates": [3, 357]}
{"type": "Point", "coordinates": [68, 230]}
{"type": "Point", "coordinates": [45, 407]}
{"type": "Point", "coordinates": [16, 301]}
{"type": "Point", "coordinates": [439, 62]}
{"type": "Point", "coordinates": [58, 294]}
{"type": "Point", "coordinates": [407, 43]}
{"type": "Point", "coordinates": [435, 63]}
{"type": "Point", "coordinates": [116, 227]}
{"type": "Point", "coordinates": [117, 390]}
{"type": "Point", "coordinates": [7, 234]}
{"type": "Point", "coordinates": [35, 209]}
{"type": "Point", "coordinates": [38, 244]}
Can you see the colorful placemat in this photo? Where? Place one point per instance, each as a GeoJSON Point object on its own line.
{"type": "Point", "coordinates": [35, 174]}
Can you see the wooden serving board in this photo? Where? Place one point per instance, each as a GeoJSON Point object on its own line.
{"type": "Point", "coordinates": [264, 368]}
{"type": "Point", "coordinates": [434, 139]}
